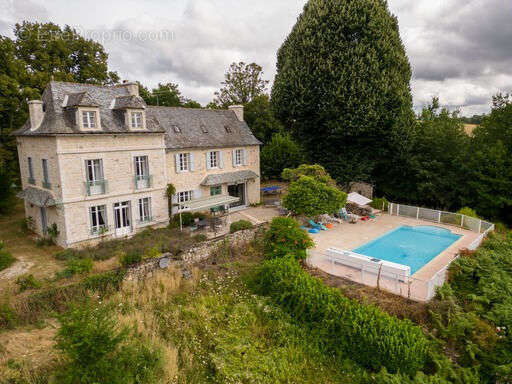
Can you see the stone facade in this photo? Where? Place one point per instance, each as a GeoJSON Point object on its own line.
{"type": "Point", "coordinates": [364, 189]}
{"type": "Point", "coordinates": [191, 180]}
{"type": "Point", "coordinates": [93, 148]}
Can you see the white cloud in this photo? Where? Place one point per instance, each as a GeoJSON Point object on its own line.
{"type": "Point", "coordinates": [460, 50]}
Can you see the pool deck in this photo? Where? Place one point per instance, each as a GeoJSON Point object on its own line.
{"type": "Point", "coordinates": [350, 236]}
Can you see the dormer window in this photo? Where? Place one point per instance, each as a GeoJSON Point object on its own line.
{"type": "Point", "coordinates": [136, 119]}
{"type": "Point", "coordinates": [227, 128]}
{"type": "Point", "coordinates": [89, 119]}
{"type": "Point", "coordinates": [203, 128]}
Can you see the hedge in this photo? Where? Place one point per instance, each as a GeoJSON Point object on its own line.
{"type": "Point", "coordinates": [363, 333]}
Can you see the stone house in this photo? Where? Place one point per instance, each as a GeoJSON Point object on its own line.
{"type": "Point", "coordinates": [96, 161]}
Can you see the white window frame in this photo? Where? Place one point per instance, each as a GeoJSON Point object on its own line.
{"type": "Point", "coordinates": [94, 212]}
{"type": "Point", "coordinates": [239, 157]}
{"type": "Point", "coordinates": [89, 119]}
{"type": "Point", "coordinates": [97, 172]}
{"type": "Point", "coordinates": [141, 166]}
{"type": "Point", "coordinates": [183, 162]}
{"type": "Point", "coordinates": [185, 196]}
{"type": "Point", "coordinates": [213, 159]}
{"type": "Point", "coordinates": [144, 207]}
{"type": "Point", "coordinates": [137, 120]}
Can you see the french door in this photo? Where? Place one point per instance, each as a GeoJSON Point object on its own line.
{"type": "Point", "coordinates": [122, 217]}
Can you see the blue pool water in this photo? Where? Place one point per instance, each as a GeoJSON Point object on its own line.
{"type": "Point", "coordinates": [412, 246]}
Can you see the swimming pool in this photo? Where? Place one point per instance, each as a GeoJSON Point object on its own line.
{"type": "Point", "coordinates": [412, 246]}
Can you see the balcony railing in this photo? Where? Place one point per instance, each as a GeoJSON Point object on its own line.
{"type": "Point", "coordinates": [97, 187]}
{"type": "Point", "coordinates": [146, 220]}
{"type": "Point", "coordinates": [47, 184]}
{"type": "Point", "coordinates": [32, 181]}
{"type": "Point", "coordinates": [143, 182]}
{"type": "Point", "coordinates": [100, 230]}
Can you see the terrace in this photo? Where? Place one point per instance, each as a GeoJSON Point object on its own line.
{"type": "Point", "coordinates": [419, 286]}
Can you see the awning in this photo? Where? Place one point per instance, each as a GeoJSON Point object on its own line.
{"type": "Point", "coordinates": [38, 197]}
{"type": "Point", "coordinates": [358, 199]}
{"type": "Point", "coordinates": [206, 202]}
{"type": "Point", "coordinates": [229, 178]}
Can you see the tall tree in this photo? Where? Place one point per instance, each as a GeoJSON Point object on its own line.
{"type": "Point", "coordinates": [342, 87]}
{"type": "Point", "coordinates": [167, 95]}
{"type": "Point", "coordinates": [260, 117]}
{"type": "Point", "coordinates": [242, 83]}
{"type": "Point", "coordinates": [50, 51]}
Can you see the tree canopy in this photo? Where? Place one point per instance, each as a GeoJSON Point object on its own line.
{"type": "Point", "coordinates": [242, 83]}
{"type": "Point", "coordinates": [279, 153]}
{"type": "Point", "coordinates": [342, 87]}
{"type": "Point", "coordinates": [167, 95]}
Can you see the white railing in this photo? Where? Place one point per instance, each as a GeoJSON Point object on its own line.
{"type": "Point", "coordinates": [406, 286]}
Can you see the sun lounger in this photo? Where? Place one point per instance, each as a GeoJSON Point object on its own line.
{"type": "Point", "coordinates": [317, 225]}
{"type": "Point", "coordinates": [344, 214]}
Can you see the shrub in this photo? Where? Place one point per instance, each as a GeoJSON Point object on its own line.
{"type": "Point", "coordinates": [26, 282]}
{"type": "Point", "coordinates": [315, 171]}
{"type": "Point", "coordinates": [76, 267]}
{"type": "Point", "coordinates": [468, 212]}
{"type": "Point", "coordinates": [239, 225]}
{"type": "Point", "coordinates": [8, 317]}
{"type": "Point", "coordinates": [285, 237]}
{"type": "Point", "coordinates": [371, 337]}
{"type": "Point", "coordinates": [380, 203]}
{"type": "Point", "coordinates": [97, 350]}
{"type": "Point", "coordinates": [66, 254]}
{"type": "Point", "coordinates": [310, 197]}
{"type": "Point", "coordinates": [130, 258]}
{"type": "Point", "coordinates": [6, 258]}
{"type": "Point", "coordinates": [187, 219]}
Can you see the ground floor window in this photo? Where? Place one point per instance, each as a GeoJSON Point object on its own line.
{"type": "Point", "coordinates": [98, 218]}
{"type": "Point", "coordinates": [216, 190]}
{"type": "Point", "coordinates": [185, 196]}
{"type": "Point", "coordinates": [145, 209]}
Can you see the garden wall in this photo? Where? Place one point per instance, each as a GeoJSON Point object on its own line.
{"type": "Point", "coordinates": [197, 253]}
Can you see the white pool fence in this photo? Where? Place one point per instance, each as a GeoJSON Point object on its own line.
{"type": "Point", "coordinates": [406, 286]}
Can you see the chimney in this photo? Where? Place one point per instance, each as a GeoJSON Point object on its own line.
{"type": "Point", "coordinates": [239, 111]}
{"type": "Point", "coordinates": [35, 111]}
{"type": "Point", "coordinates": [131, 87]}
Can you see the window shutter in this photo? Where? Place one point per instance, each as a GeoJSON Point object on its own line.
{"type": "Point", "coordinates": [208, 160]}
{"type": "Point", "coordinates": [221, 159]}
{"type": "Point", "coordinates": [177, 161]}
{"type": "Point", "coordinates": [234, 157]}
{"type": "Point", "coordinates": [244, 156]}
{"type": "Point", "coordinates": [192, 164]}
{"type": "Point", "coordinates": [196, 194]}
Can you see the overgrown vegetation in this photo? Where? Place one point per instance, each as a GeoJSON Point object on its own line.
{"type": "Point", "coordinates": [6, 258]}
{"type": "Point", "coordinates": [240, 225]}
{"type": "Point", "coordinates": [285, 237]}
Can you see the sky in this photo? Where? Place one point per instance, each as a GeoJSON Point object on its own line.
{"type": "Point", "coordinates": [460, 50]}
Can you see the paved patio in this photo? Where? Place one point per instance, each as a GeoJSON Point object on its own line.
{"type": "Point", "coordinates": [349, 236]}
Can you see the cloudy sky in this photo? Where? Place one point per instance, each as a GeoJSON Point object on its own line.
{"type": "Point", "coordinates": [460, 50]}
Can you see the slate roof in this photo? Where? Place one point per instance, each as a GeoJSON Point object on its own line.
{"type": "Point", "coordinates": [37, 196]}
{"type": "Point", "coordinates": [229, 177]}
{"type": "Point", "coordinates": [123, 102]}
{"type": "Point", "coordinates": [197, 128]}
{"type": "Point", "coordinates": [81, 99]}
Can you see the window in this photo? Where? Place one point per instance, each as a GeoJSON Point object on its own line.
{"type": "Point", "coordinates": [94, 170]}
{"type": "Point", "coordinates": [46, 177]}
{"type": "Point", "coordinates": [89, 119]}
{"type": "Point", "coordinates": [136, 119]}
{"type": "Point", "coordinates": [145, 210]}
{"type": "Point", "coordinates": [98, 218]}
{"type": "Point", "coordinates": [227, 128]}
{"type": "Point", "coordinates": [176, 129]}
{"type": "Point", "coordinates": [141, 167]}
{"type": "Point", "coordinates": [216, 190]}
{"type": "Point", "coordinates": [31, 179]}
{"type": "Point", "coordinates": [239, 157]}
{"type": "Point", "coordinates": [203, 128]}
{"type": "Point", "coordinates": [184, 162]}
{"type": "Point", "coordinates": [213, 159]}
{"type": "Point", "coordinates": [185, 196]}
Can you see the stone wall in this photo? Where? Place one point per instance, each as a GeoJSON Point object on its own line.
{"type": "Point", "coordinates": [195, 254]}
{"type": "Point", "coordinates": [362, 188]}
